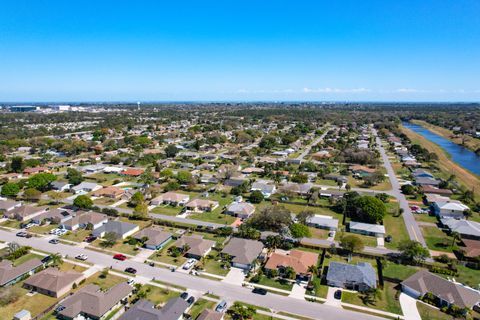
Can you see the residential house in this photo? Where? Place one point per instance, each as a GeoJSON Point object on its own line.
{"type": "Point", "coordinates": [29, 171]}
{"type": "Point", "coordinates": [242, 210]}
{"type": "Point", "coordinates": [8, 205]}
{"type": "Point", "coordinates": [91, 302]}
{"type": "Point", "coordinates": [156, 237]}
{"type": "Point", "coordinates": [25, 212]}
{"type": "Point", "coordinates": [53, 282]}
{"type": "Point", "coordinates": [375, 230]}
{"type": "Point", "coordinates": [251, 170]}
{"type": "Point", "coordinates": [323, 222]}
{"type": "Point", "coordinates": [82, 219]}
{"type": "Point", "coordinates": [361, 171]}
{"type": "Point", "coordinates": [234, 182]}
{"type": "Point", "coordinates": [336, 177]}
{"type": "Point", "coordinates": [421, 173]}
{"type": "Point", "coordinates": [10, 275]}
{"type": "Point", "coordinates": [298, 260]}
{"type": "Point", "coordinates": [197, 246]}
{"type": "Point", "coordinates": [465, 228]}
{"type": "Point", "coordinates": [132, 172]}
{"type": "Point", "coordinates": [266, 189]}
{"type": "Point", "coordinates": [360, 277]}
{"type": "Point", "coordinates": [171, 198]}
{"type": "Point", "coordinates": [471, 249]}
{"type": "Point", "coordinates": [86, 187]}
{"type": "Point", "coordinates": [449, 209]}
{"type": "Point", "coordinates": [109, 192]}
{"type": "Point", "coordinates": [122, 229]}
{"type": "Point", "coordinates": [431, 189]}
{"type": "Point", "coordinates": [60, 186]}
{"type": "Point", "coordinates": [92, 168]}
{"type": "Point", "coordinates": [302, 189]}
{"type": "Point", "coordinates": [426, 181]}
{"type": "Point", "coordinates": [209, 314]}
{"type": "Point", "coordinates": [174, 309]}
{"type": "Point", "coordinates": [447, 292]}
{"type": "Point", "coordinates": [243, 252]}
{"type": "Point", "coordinates": [200, 205]}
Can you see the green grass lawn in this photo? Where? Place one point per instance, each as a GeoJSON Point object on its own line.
{"type": "Point", "coordinates": [164, 256]}
{"type": "Point", "coordinates": [121, 246]}
{"type": "Point", "coordinates": [297, 208]}
{"type": "Point", "coordinates": [167, 210]}
{"type": "Point", "coordinates": [394, 226]}
{"type": "Point", "coordinates": [11, 224]}
{"type": "Point", "coordinates": [25, 258]}
{"type": "Point", "coordinates": [105, 201]}
{"type": "Point", "coordinates": [430, 313]}
{"type": "Point", "coordinates": [104, 283]}
{"type": "Point", "coordinates": [142, 224]}
{"type": "Point", "coordinates": [385, 301]}
{"type": "Point", "coordinates": [45, 229]}
{"type": "Point", "coordinates": [214, 264]}
{"type": "Point", "coordinates": [157, 295]}
{"type": "Point", "coordinates": [368, 241]}
{"type": "Point", "coordinates": [66, 266]}
{"type": "Point", "coordinates": [423, 217]}
{"type": "Point", "coordinates": [437, 240]}
{"type": "Point", "coordinates": [398, 271]}
{"type": "Point", "coordinates": [320, 290]}
{"type": "Point", "coordinates": [467, 276]}
{"type": "Point", "coordinates": [199, 306]}
{"type": "Point", "coordinates": [275, 283]}
{"type": "Point", "coordinates": [318, 233]}
{"type": "Point", "coordinates": [326, 182]}
{"type": "Point", "coordinates": [215, 216]}
{"type": "Point", "coordinates": [77, 235]}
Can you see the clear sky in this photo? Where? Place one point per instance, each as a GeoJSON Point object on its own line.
{"type": "Point", "coordinates": [365, 50]}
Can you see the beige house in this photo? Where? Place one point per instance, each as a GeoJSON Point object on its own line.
{"type": "Point", "coordinates": [200, 205]}
{"type": "Point", "coordinates": [52, 282]}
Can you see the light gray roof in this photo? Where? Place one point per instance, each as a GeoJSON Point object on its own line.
{"type": "Point", "coordinates": [155, 235]}
{"type": "Point", "coordinates": [368, 227]}
{"type": "Point", "coordinates": [424, 281]}
{"type": "Point", "coordinates": [241, 208]}
{"type": "Point", "coordinates": [363, 272]}
{"type": "Point", "coordinates": [323, 221]}
{"type": "Point", "coordinates": [243, 251]}
{"type": "Point", "coordinates": [118, 227]}
{"type": "Point", "coordinates": [426, 181]}
{"type": "Point", "coordinates": [463, 227]}
{"type": "Point", "coordinates": [145, 310]}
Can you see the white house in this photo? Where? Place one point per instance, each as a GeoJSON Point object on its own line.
{"type": "Point", "coordinates": [86, 187]}
{"type": "Point", "coordinates": [449, 209]}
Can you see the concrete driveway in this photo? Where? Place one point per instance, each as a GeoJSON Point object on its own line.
{"type": "Point", "coordinates": [409, 307]}
{"type": "Point", "coordinates": [235, 276]}
{"type": "Point", "coordinates": [298, 290]}
{"type": "Point", "coordinates": [331, 299]}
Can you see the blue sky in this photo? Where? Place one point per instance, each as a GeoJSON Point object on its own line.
{"type": "Point", "coordinates": [425, 50]}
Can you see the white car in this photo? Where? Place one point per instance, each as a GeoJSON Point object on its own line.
{"type": "Point", "coordinates": [82, 257]}
{"type": "Point", "coordinates": [190, 263]}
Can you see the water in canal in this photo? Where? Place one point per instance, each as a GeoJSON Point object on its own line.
{"type": "Point", "coordinates": [460, 155]}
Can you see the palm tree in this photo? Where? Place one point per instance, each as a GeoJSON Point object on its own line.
{"type": "Point", "coordinates": [12, 247]}
{"type": "Point", "coordinates": [56, 259]}
{"type": "Point", "coordinates": [313, 269]}
{"type": "Point", "coordinates": [455, 236]}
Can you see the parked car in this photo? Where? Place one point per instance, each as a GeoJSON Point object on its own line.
{"type": "Point", "coordinates": [120, 257]}
{"type": "Point", "coordinates": [22, 234]}
{"type": "Point", "coordinates": [82, 257]}
{"type": "Point", "coordinates": [90, 239]}
{"type": "Point", "coordinates": [259, 291]}
{"type": "Point", "coordinates": [131, 281]}
{"type": "Point", "coordinates": [131, 270]}
{"type": "Point", "coordinates": [54, 241]}
{"type": "Point", "coordinates": [191, 300]}
{"type": "Point", "coordinates": [338, 294]}
{"type": "Point", "coordinates": [388, 238]}
{"type": "Point", "coordinates": [184, 295]}
{"type": "Point", "coordinates": [190, 263]}
{"type": "Point", "coordinates": [222, 306]}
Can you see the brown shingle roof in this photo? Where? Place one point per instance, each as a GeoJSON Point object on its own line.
{"type": "Point", "coordinates": [54, 280]}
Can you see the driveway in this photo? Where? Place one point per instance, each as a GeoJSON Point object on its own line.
{"type": "Point", "coordinates": [298, 290]}
{"type": "Point", "coordinates": [409, 307]}
{"type": "Point", "coordinates": [331, 299]}
{"type": "Point", "coordinates": [143, 255]}
{"type": "Point", "coordinates": [235, 276]}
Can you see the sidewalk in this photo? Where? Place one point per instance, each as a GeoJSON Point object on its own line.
{"type": "Point", "coordinates": [409, 307]}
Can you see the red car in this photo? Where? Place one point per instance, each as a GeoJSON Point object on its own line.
{"type": "Point", "coordinates": [120, 257]}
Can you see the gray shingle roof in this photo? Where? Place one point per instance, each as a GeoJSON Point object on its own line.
{"type": "Point", "coordinates": [145, 310]}
{"type": "Point", "coordinates": [243, 251]}
{"type": "Point", "coordinates": [363, 272]}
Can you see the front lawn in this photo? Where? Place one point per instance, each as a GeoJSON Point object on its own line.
{"type": "Point", "coordinates": [25, 258]}
{"type": "Point", "coordinates": [215, 216]}
{"type": "Point", "coordinates": [77, 235]}
{"type": "Point", "coordinates": [167, 210]}
{"type": "Point", "coordinates": [11, 224]}
{"type": "Point", "coordinates": [398, 271]}
{"type": "Point", "coordinates": [386, 300]}
{"type": "Point", "coordinates": [121, 246]}
{"type": "Point", "coordinates": [438, 240]}
{"type": "Point", "coordinates": [45, 229]}
{"type": "Point", "coordinates": [394, 226]}
{"type": "Point", "coordinates": [158, 295]}
{"type": "Point", "coordinates": [164, 256]}
{"type": "Point", "coordinates": [213, 264]}
{"type": "Point", "coordinates": [319, 289]}
{"type": "Point", "coordinates": [275, 283]}
{"type": "Point", "coordinates": [430, 313]}
{"type": "Point", "coordinates": [104, 283]}
{"type": "Point", "coordinates": [199, 306]}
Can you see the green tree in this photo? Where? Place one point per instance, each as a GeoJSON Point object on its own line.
{"type": "Point", "coordinates": [41, 181]}
{"type": "Point", "coordinates": [256, 196]}
{"type": "Point", "coordinates": [141, 209]}
{"type": "Point", "coordinates": [83, 202]}
{"type": "Point", "coordinates": [110, 239]}
{"type": "Point", "coordinates": [56, 259]}
{"type": "Point", "coordinates": [289, 273]}
{"type": "Point", "coordinates": [304, 216]}
{"type": "Point", "coordinates": [74, 176]}
{"type": "Point", "coordinates": [32, 194]}
{"type": "Point", "coordinates": [184, 177]}
{"type": "Point", "coordinates": [351, 243]}
{"type": "Point", "coordinates": [10, 189]}
{"type": "Point", "coordinates": [272, 218]}
{"type": "Point", "coordinates": [171, 151]}
{"type": "Point", "coordinates": [166, 173]}
{"type": "Point", "coordinates": [413, 251]}
{"type": "Point", "coordinates": [16, 165]}
{"type": "Point", "coordinates": [370, 209]}
{"type": "Point", "coordinates": [136, 199]}
{"type": "Point", "coordinates": [299, 230]}
{"type": "Point", "coordinates": [239, 311]}
{"type": "Point", "coordinates": [172, 186]}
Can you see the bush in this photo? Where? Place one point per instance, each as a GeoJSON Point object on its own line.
{"type": "Point", "coordinates": [20, 252]}
{"type": "Point", "coordinates": [9, 295]}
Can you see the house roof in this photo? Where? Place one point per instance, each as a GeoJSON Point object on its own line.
{"type": "Point", "coordinates": [243, 251]}
{"type": "Point", "coordinates": [472, 248]}
{"type": "Point", "coordinates": [244, 208]}
{"type": "Point", "coordinates": [198, 245]}
{"type": "Point", "coordinates": [173, 196]}
{"type": "Point", "coordinates": [155, 235]}
{"type": "Point", "coordinates": [325, 221]}
{"type": "Point", "coordinates": [297, 259]}
{"type": "Point", "coordinates": [430, 189]}
{"type": "Point", "coordinates": [53, 280]}
{"type": "Point", "coordinates": [8, 272]}
{"type": "Point", "coordinates": [116, 226]}
{"type": "Point", "coordinates": [261, 186]}
{"type": "Point", "coordinates": [203, 203]}
{"type": "Point", "coordinates": [26, 210]}
{"type": "Point", "coordinates": [86, 185]}
{"type": "Point", "coordinates": [92, 301]}
{"type": "Point", "coordinates": [426, 181]}
{"type": "Point", "coordinates": [109, 191]}
{"type": "Point", "coordinates": [301, 188]}
{"type": "Point", "coordinates": [8, 204]}
{"type": "Point", "coordinates": [363, 272]}
{"type": "Point", "coordinates": [463, 227]}
{"type": "Point", "coordinates": [145, 310]}
{"type": "Point", "coordinates": [83, 217]}
{"type": "Point", "coordinates": [367, 227]}
{"type": "Point", "coordinates": [133, 172]}
{"type": "Point", "coordinates": [424, 281]}
{"type": "Point", "coordinates": [208, 314]}
{"type": "Point", "coordinates": [451, 205]}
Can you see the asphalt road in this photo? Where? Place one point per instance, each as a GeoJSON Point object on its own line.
{"type": "Point", "coordinates": [413, 229]}
{"type": "Point", "coordinates": [224, 290]}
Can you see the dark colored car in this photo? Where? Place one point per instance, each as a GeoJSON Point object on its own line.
{"type": "Point", "coordinates": [54, 241]}
{"type": "Point", "coordinates": [388, 238]}
{"type": "Point", "coordinates": [191, 300]}
{"type": "Point", "coordinates": [184, 295]}
{"type": "Point", "coordinates": [22, 234]}
{"type": "Point", "coordinates": [260, 291]}
{"type": "Point", "coordinates": [120, 257]}
{"type": "Point", "coordinates": [338, 294]}
{"type": "Point", "coordinates": [90, 239]}
{"type": "Point", "coordinates": [131, 270]}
